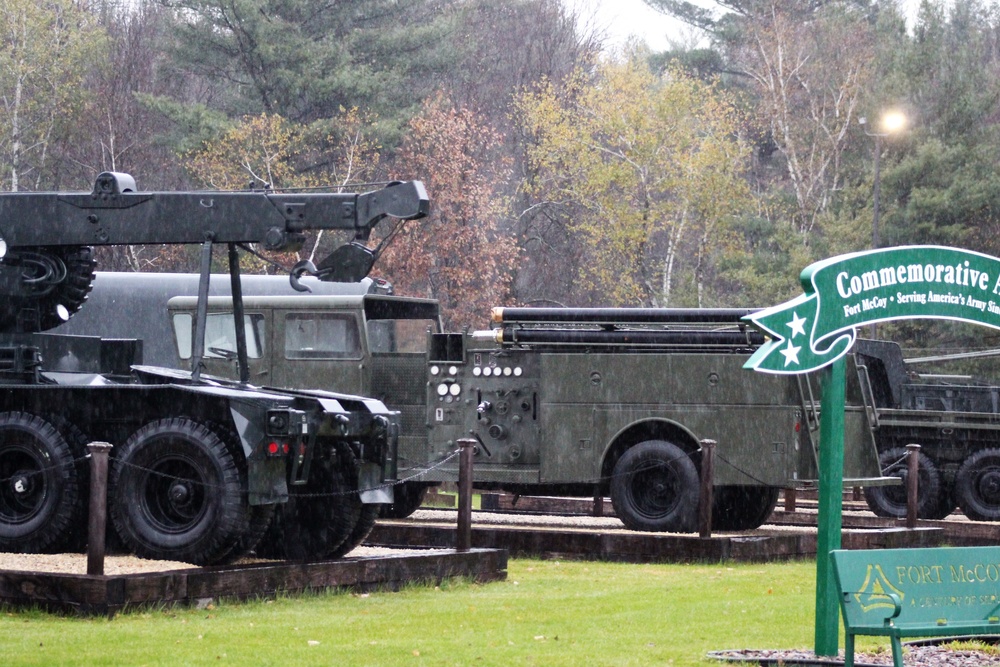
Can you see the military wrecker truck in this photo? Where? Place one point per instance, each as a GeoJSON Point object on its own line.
{"type": "Point", "coordinates": [357, 337]}
{"type": "Point", "coordinates": [202, 469]}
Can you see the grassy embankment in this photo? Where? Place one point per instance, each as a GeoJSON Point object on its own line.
{"type": "Point", "coordinates": [547, 613]}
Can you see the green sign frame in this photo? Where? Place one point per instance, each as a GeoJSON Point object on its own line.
{"type": "Point", "coordinates": [816, 330]}
{"type": "Point", "coordinates": [849, 291]}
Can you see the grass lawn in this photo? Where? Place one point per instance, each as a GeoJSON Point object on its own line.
{"type": "Point", "coordinates": [547, 613]}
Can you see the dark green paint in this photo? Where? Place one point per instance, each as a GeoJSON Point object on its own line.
{"type": "Point", "coordinates": [831, 479]}
{"type": "Point", "coordinates": [817, 329]}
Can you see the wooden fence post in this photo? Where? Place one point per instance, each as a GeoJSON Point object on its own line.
{"type": "Point", "coordinates": [912, 484]}
{"type": "Point", "coordinates": [463, 540]}
{"type": "Point", "coordinates": [707, 480]}
{"type": "Point", "coordinates": [98, 518]}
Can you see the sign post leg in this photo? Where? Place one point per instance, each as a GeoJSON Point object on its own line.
{"type": "Point", "coordinates": [830, 519]}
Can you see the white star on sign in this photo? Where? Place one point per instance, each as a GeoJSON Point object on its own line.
{"type": "Point", "coordinates": [791, 354]}
{"type": "Point", "coordinates": [797, 325]}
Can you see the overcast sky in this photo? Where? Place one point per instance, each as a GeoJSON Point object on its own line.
{"type": "Point", "coordinates": [620, 19]}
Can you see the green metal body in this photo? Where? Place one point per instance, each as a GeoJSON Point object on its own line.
{"type": "Point", "coordinates": [569, 415]}
{"type": "Point", "coordinates": [563, 415]}
{"type": "Point", "coordinates": [200, 464]}
{"type": "Point", "coordinates": [366, 344]}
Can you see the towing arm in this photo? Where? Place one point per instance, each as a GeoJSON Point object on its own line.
{"type": "Point", "coordinates": [46, 238]}
{"type": "Point", "coordinates": [115, 213]}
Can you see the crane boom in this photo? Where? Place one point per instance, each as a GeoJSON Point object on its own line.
{"type": "Point", "coordinates": [46, 238]}
{"type": "Point", "coordinates": [115, 213]}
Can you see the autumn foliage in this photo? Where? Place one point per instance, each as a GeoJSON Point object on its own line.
{"type": "Point", "coordinates": [460, 254]}
{"type": "Point", "coordinates": [644, 171]}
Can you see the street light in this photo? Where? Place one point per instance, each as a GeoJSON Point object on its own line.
{"type": "Point", "coordinates": [891, 123]}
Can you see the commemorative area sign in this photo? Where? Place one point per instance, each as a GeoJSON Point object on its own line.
{"type": "Point", "coordinates": [849, 291]}
{"type": "Point", "coordinates": [816, 330]}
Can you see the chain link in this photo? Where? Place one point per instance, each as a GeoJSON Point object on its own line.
{"type": "Point", "coordinates": [895, 463]}
{"type": "Point", "coordinates": [42, 471]}
{"type": "Point", "coordinates": [740, 470]}
{"type": "Point", "coordinates": [326, 494]}
{"type": "Point", "coordinates": [423, 471]}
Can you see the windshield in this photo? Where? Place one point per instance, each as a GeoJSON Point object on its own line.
{"type": "Point", "coordinates": [220, 334]}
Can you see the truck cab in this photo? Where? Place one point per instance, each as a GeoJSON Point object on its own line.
{"type": "Point", "coordinates": [369, 344]}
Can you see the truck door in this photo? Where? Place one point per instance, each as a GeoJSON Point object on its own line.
{"type": "Point", "coordinates": [318, 348]}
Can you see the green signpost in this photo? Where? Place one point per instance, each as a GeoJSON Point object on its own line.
{"type": "Point", "coordinates": [816, 330]}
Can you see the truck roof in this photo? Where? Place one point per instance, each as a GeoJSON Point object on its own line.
{"type": "Point", "coordinates": [134, 305]}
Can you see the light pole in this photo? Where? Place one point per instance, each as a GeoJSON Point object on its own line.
{"type": "Point", "coordinates": [891, 123]}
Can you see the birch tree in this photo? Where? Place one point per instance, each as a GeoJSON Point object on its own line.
{"type": "Point", "coordinates": [44, 54]}
{"type": "Point", "coordinates": [810, 65]}
{"type": "Point", "coordinates": [645, 171]}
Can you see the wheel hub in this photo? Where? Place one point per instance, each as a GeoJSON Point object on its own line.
{"type": "Point", "coordinates": [180, 493]}
{"type": "Point", "coordinates": [989, 485]}
{"type": "Point", "coordinates": [21, 484]}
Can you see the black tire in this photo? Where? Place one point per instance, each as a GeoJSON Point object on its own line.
{"type": "Point", "coordinates": [177, 494]}
{"type": "Point", "coordinates": [41, 503]}
{"type": "Point", "coordinates": [317, 519]}
{"type": "Point", "coordinates": [742, 507]}
{"type": "Point", "coordinates": [977, 485]}
{"type": "Point", "coordinates": [368, 512]}
{"type": "Point", "coordinates": [78, 442]}
{"type": "Point", "coordinates": [655, 487]}
{"type": "Point", "coordinates": [890, 501]}
{"type": "Point", "coordinates": [947, 503]}
{"type": "Point", "coordinates": [260, 515]}
{"type": "Point", "coordinates": [369, 515]}
{"type": "Point", "coordinates": [49, 283]}
{"type": "Point", "coordinates": [406, 499]}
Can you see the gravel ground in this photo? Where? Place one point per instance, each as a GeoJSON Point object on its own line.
{"type": "Point", "coordinates": [499, 518]}
{"type": "Point", "coordinates": [913, 656]}
{"type": "Point", "coordinates": [572, 522]}
{"type": "Point", "coordinates": [72, 563]}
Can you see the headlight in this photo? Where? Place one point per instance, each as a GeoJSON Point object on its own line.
{"type": "Point", "coordinates": [455, 389]}
{"type": "Point", "coordinates": [442, 390]}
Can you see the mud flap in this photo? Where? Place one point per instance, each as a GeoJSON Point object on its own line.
{"type": "Point", "coordinates": [266, 482]}
{"type": "Point", "coordinates": [371, 485]}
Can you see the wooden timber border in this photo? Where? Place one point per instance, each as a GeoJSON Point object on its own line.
{"type": "Point", "coordinates": [108, 594]}
{"type": "Point", "coordinates": [632, 547]}
{"type": "Point", "coordinates": [955, 530]}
